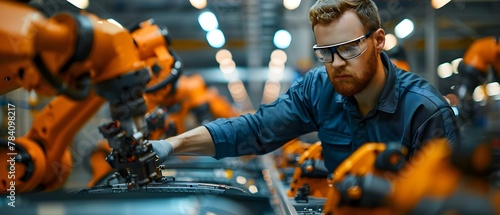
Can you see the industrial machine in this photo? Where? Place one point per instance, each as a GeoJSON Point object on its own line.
{"type": "Point", "coordinates": [187, 103]}
{"type": "Point", "coordinates": [438, 179]}
{"type": "Point", "coordinates": [479, 60]}
{"type": "Point", "coordinates": [151, 68]}
{"type": "Point", "coordinates": [310, 177]}
{"type": "Point", "coordinates": [86, 61]}
{"type": "Point", "coordinates": [286, 158]}
{"type": "Point", "coordinates": [175, 102]}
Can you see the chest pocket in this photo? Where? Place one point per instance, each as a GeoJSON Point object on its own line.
{"type": "Point", "coordinates": [336, 148]}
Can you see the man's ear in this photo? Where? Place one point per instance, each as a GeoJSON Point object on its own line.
{"type": "Point", "coordinates": [379, 36]}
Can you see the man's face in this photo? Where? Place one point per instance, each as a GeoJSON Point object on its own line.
{"type": "Point", "coordinates": [352, 76]}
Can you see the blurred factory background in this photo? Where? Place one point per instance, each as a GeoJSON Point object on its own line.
{"type": "Point", "coordinates": [432, 33]}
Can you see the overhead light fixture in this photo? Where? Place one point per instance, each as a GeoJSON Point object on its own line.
{"type": "Point", "coordinates": [390, 42]}
{"type": "Point", "coordinates": [198, 4]}
{"type": "Point", "coordinates": [276, 66]}
{"type": "Point", "coordinates": [82, 4]}
{"type": "Point", "coordinates": [237, 90]}
{"type": "Point", "coordinates": [279, 54]}
{"type": "Point", "coordinates": [282, 39]}
{"type": "Point", "coordinates": [216, 38]}
{"type": "Point", "coordinates": [223, 54]}
{"type": "Point", "coordinates": [404, 28]}
{"type": "Point", "coordinates": [436, 4]}
{"type": "Point", "coordinates": [291, 4]}
{"type": "Point", "coordinates": [227, 66]}
{"type": "Point", "coordinates": [208, 21]}
{"type": "Point", "coordinates": [271, 91]}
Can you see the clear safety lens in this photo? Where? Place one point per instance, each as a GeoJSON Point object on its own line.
{"type": "Point", "coordinates": [347, 50]}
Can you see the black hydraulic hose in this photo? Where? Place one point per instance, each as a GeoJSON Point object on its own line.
{"type": "Point", "coordinates": [79, 93]}
{"type": "Point", "coordinates": [175, 73]}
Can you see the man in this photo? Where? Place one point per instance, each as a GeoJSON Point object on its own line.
{"type": "Point", "coordinates": [358, 96]}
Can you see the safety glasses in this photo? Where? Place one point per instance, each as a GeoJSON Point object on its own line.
{"type": "Point", "coordinates": [346, 50]}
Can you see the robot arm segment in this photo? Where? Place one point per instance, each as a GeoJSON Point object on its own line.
{"type": "Point", "coordinates": [71, 52]}
{"type": "Point", "coordinates": [474, 69]}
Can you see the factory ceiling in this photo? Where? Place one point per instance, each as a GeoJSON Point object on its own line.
{"type": "Point", "coordinates": [249, 26]}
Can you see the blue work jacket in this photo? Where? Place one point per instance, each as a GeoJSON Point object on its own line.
{"type": "Point", "coordinates": [409, 111]}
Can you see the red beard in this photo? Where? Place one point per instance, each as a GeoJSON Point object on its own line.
{"type": "Point", "coordinates": [358, 81]}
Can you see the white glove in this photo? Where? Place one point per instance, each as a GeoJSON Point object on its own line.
{"type": "Point", "coordinates": [163, 149]}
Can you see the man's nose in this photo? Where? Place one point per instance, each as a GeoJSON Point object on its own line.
{"type": "Point", "coordinates": [337, 61]}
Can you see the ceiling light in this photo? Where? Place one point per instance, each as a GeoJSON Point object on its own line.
{"type": "Point", "coordinates": [208, 21]}
{"type": "Point", "coordinates": [390, 42]}
{"type": "Point", "coordinates": [291, 4]}
{"type": "Point", "coordinates": [216, 38]}
{"type": "Point", "coordinates": [82, 4]}
{"type": "Point", "coordinates": [276, 66]}
{"type": "Point", "coordinates": [227, 66]}
{"type": "Point", "coordinates": [436, 4]}
{"type": "Point", "coordinates": [198, 4]}
{"type": "Point", "coordinates": [279, 54]}
{"type": "Point", "coordinates": [404, 28]}
{"type": "Point", "coordinates": [222, 55]}
{"type": "Point", "coordinates": [282, 39]}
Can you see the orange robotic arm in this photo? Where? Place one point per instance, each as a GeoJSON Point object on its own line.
{"type": "Point", "coordinates": [474, 69]}
{"type": "Point", "coordinates": [376, 178]}
{"type": "Point", "coordinates": [481, 54]}
{"type": "Point", "coordinates": [153, 46]}
{"type": "Point", "coordinates": [167, 88]}
{"type": "Point", "coordinates": [196, 104]}
{"type": "Point", "coordinates": [175, 103]}
{"type": "Point", "coordinates": [308, 178]}
{"type": "Point", "coordinates": [68, 54]}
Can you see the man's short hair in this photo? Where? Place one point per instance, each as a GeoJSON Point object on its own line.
{"type": "Point", "coordinates": [324, 12]}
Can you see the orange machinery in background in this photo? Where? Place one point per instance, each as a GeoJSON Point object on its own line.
{"type": "Point", "coordinates": [175, 102]}
{"type": "Point", "coordinates": [376, 179]}
{"type": "Point", "coordinates": [187, 104]}
{"type": "Point", "coordinates": [86, 61]}
{"type": "Point", "coordinates": [153, 46]}
{"type": "Point", "coordinates": [171, 97]}
{"type": "Point", "coordinates": [290, 153]}
{"type": "Point", "coordinates": [309, 178]}
{"type": "Point", "coordinates": [398, 58]}
{"type": "Point", "coordinates": [482, 56]}
{"type": "Point", "coordinates": [402, 64]}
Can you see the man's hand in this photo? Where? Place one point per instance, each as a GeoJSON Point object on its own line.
{"type": "Point", "coordinates": [163, 149]}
